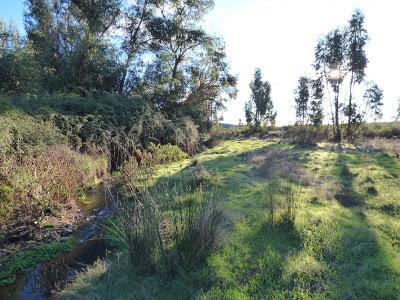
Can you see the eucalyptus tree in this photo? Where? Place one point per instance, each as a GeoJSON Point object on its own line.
{"type": "Point", "coordinates": [316, 114]}
{"type": "Point", "coordinates": [176, 36]}
{"type": "Point", "coordinates": [248, 112]}
{"type": "Point", "coordinates": [260, 106]}
{"type": "Point", "coordinates": [136, 39]}
{"type": "Point", "coordinates": [330, 64]}
{"type": "Point", "coordinates": [357, 37]}
{"type": "Point", "coordinates": [397, 118]}
{"type": "Point", "coordinates": [18, 71]}
{"type": "Point", "coordinates": [71, 42]}
{"type": "Point", "coordinates": [302, 97]}
{"type": "Point", "coordinates": [210, 83]}
{"type": "Point", "coordinates": [340, 58]}
{"type": "Point", "coordinates": [373, 98]}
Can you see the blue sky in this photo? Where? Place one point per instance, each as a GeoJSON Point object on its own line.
{"type": "Point", "coordinates": [279, 37]}
{"type": "Point", "coordinates": [12, 10]}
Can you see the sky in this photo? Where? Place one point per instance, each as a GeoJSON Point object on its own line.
{"type": "Point", "coordinates": [279, 37]}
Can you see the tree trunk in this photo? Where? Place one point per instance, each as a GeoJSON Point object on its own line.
{"type": "Point", "coordinates": [124, 73]}
{"type": "Point", "coordinates": [350, 107]}
{"type": "Point", "coordinates": [338, 135]}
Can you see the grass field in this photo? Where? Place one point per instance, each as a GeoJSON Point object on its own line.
{"type": "Point", "coordinates": [342, 243]}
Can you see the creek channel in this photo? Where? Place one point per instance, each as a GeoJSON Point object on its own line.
{"type": "Point", "coordinates": [40, 282]}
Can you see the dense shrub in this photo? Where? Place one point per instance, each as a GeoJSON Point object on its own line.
{"type": "Point", "coordinates": [166, 153]}
{"type": "Point", "coordinates": [187, 136]}
{"type": "Point", "coordinates": [104, 124]}
{"type": "Point", "coordinates": [21, 134]}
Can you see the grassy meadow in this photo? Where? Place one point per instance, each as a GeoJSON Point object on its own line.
{"type": "Point", "coordinates": [342, 240]}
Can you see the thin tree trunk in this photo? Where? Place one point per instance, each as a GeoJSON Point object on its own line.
{"type": "Point", "coordinates": [124, 74]}
{"type": "Point", "coordinates": [338, 135]}
{"type": "Point", "coordinates": [350, 105]}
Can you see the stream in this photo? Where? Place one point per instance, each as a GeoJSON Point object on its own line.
{"type": "Point", "coordinates": [40, 282]}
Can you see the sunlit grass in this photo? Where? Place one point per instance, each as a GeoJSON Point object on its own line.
{"type": "Point", "coordinates": [343, 243]}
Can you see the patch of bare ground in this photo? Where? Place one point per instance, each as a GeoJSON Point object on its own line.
{"type": "Point", "coordinates": [283, 163]}
{"type": "Point", "coordinates": [391, 146]}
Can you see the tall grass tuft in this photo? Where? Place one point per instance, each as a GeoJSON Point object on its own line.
{"type": "Point", "coordinates": [282, 199]}
{"type": "Point", "coordinates": [196, 227]}
{"type": "Point", "coordinates": [137, 227]}
{"type": "Point", "coordinates": [166, 229]}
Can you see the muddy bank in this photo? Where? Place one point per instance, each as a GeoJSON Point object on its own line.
{"type": "Point", "coordinates": [47, 277]}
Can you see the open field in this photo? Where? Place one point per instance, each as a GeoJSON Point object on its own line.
{"type": "Point", "coordinates": [341, 241]}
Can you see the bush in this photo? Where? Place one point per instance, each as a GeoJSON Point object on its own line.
{"type": "Point", "coordinates": [381, 130]}
{"type": "Point", "coordinates": [21, 134]}
{"type": "Point", "coordinates": [187, 136]}
{"type": "Point", "coordinates": [168, 153]}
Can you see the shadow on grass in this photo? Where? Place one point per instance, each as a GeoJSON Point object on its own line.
{"type": "Point", "coordinates": [355, 262]}
{"type": "Point", "coordinates": [361, 263]}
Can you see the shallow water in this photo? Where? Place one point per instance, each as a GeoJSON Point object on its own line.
{"type": "Point", "coordinates": [41, 282]}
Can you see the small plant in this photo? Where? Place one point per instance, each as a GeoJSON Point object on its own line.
{"type": "Point", "coordinates": [202, 177]}
{"type": "Point", "coordinates": [282, 199]}
{"type": "Point", "coordinates": [272, 198]}
{"type": "Point", "coordinates": [292, 194]}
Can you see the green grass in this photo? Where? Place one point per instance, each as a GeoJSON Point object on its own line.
{"type": "Point", "coordinates": [343, 244]}
{"type": "Point", "coordinates": [27, 259]}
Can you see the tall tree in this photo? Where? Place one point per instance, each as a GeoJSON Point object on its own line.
{"type": "Point", "coordinates": [262, 108]}
{"type": "Point", "coordinates": [176, 36]}
{"type": "Point", "coordinates": [248, 111]}
{"type": "Point", "coordinates": [71, 42]}
{"type": "Point", "coordinates": [18, 71]}
{"type": "Point", "coordinates": [373, 98]}
{"type": "Point", "coordinates": [302, 95]}
{"type": "Point", "coordinates": [340, 58]}
{"type": "Point", "coordinates": [330, 64]}
{"type": "Point", "coordinates": [316, 113]}
{"type": "Point", "coordinates": [136, 38]}
{"type": "Point", "coordinates": [357, 37]}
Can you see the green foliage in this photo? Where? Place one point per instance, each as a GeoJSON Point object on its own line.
{"type": "Point", "coordinates": [195, 230]}
{"type": "Point", "coordinates": [340, 57]}
{"type": "Point", "coordinates": [373, 99]}
{"type": "Point", "coordinates": [302, 96]}
{"type": "Point", "coordinates": [259, 110]}
{"type": "Point", "coordinates": [21, 134]}
{"type": "Point", "coordinates": [329, 250]}
{"type": "Point", "coordinates": [168, 153]}
{"type": "Point", "coordinates": [25, 260]}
